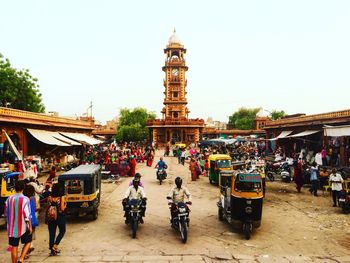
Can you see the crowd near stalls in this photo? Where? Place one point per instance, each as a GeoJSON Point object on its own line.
{"type": "Point", "coordinates": [306, 164]}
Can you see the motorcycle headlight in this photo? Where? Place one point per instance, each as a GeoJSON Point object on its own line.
{"type": "Point", "coordinates": [249, 210]}
{"type": "Point", "coordinates": [132, 206]}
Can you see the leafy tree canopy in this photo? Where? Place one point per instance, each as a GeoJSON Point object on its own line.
{"type": "Point", "coordinates": [275, 114]}
{"type": "Point", "coordinates": [18, 89]}
{"type": "Point", "coordinates": [132, 124]}
{"type": "Point", "coordinates": [243, 119]}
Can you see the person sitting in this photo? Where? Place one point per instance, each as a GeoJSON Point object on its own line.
{"type": "Point", "coordinates": [161, 165]}
{"type": "Point", "coordinates": [177, 195]}
{"type": "Point", "coordinates": [134, 192]}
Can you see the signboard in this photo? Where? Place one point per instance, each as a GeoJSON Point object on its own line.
{"type": "Point", "coordinates": [251, 178]}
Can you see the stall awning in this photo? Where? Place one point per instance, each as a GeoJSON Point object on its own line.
{"type": "Point", "coordinates": [81, 137]}
{"type": "Point", "coordinates": [282, 135]}
{"type": "Point", "coordinates": [46, 137]}
{"type": "Point", "coordinates": [64, 139]}
{"type": "Point", "coordinates": [337, 131]}
{"type": "Point", "coordinates": [304, 133]}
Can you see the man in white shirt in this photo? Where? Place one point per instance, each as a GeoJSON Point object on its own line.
{"type": "Point", "coordinates": [134, 192]}
{"type": "Point", "coordinates": [336, 181]}
{"type": "Point", "coordinates": [177, 194]}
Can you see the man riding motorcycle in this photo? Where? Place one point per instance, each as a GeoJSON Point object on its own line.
{"type": "Point", "coordinates": [161, 165]}
{"type": "Point", "coordinates": [134, 192]}
{"type": "Point", "coordinates": [176, 195]}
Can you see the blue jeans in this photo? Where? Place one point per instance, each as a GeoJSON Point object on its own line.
{"type": "Point", "coordinates": [61, 224]}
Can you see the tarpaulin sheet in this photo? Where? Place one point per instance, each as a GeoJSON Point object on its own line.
{"type": "Point", "coordinates": [282, 135]}
{"type": "Point", "coordinates": [337, 131]}
{"type": "Point", "coordinates": [304, 133]}
{"type": "Point", "coordinates": [81, 137]}
{"type": "Point", "coordinates": [46, 137]}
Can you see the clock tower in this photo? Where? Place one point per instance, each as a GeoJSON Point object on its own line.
{"type": "Point", "coordinates": [175, 102]}
{"type": "Point", "coordinates": [175, 126]}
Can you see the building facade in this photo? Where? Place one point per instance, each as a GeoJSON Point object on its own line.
{"type": "Point", "coordinates": [175, 126]}
{"type": "Point", "coordinates": [18, 124]}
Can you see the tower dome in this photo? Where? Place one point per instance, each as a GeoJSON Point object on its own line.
{"type": "Point", "coordinates": [174, 39]}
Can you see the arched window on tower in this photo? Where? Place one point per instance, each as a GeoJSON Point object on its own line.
{"type": "Point", "coordinates": [175, 114]}
{"type": "Point", "coordinates": [175, 56]}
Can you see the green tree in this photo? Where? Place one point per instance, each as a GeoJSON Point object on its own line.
{"type": "Point", "coordinates": [18, 89]}
{"type": "Point", "coordinates": [275, 114]}
{"type": "Point", "coordinates": [132, 124]}
{"type": "Point", "coordinates": [243, 119]}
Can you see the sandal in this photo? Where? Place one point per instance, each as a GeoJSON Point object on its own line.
{"type": "Point", "coordinates": [53, 253]}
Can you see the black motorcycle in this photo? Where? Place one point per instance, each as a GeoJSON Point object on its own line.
{"type": "Point", "coordinates": [344, 202]}
{"type": "Point", "coordinates": [180, 221]}
{"type": "Point", "coordinates": [161, 175]}
{"type": "Point", "coordinates": [134, 216]}
{"type": "Point", "coordinates": [282, 170]}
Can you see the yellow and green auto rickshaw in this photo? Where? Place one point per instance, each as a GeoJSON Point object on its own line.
{"type": "Point", "coordinates": [241, 200]}
{"type": "Point", "coordinates": [82, 189]}
{"type": "Point", "coordinates": [177, 148]}
{"type": "Point", "coordinates": [217, 163]}
{"type": "Point", "coordinates": [7, 188]}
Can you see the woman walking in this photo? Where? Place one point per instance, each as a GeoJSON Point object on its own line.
{"type": "Point", "coordinates": [56, 202]}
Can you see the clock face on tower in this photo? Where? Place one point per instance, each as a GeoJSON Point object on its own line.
{"type": "Point", "coordinates": [175, 71]}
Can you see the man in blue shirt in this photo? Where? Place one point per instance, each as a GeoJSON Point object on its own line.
{"type": "Point", "coordinates": [161, 165]}
{"type": "Point", "coordinates": [314, 179]}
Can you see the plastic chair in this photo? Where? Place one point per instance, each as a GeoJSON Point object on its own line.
{"type": "Point", "coordinates": [327, 187]}
{"type": "Point", "coordinates": [346, 186]}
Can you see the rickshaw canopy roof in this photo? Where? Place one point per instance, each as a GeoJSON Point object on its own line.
{"type": "Point", "coordinates": [81, 172]}
{"type": "Point", "coordinates": [215, 157]}
{"type": "Point", "coordinates": [9, 175]}
{"type": "Point", "coordinates": [181, 145]}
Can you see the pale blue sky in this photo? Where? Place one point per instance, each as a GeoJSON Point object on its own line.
{"type": "Point", "coordinates": [290, 55]}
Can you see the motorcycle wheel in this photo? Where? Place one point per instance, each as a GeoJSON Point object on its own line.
{"type": "Point", "coordinates": [183, 231]}
{"type": "Point", "coordinates": [247, 230]}
{"type": "Point", "coordinates": [271, 177]}
{"type": "Point", "coordinates": [160, 181]}
{"type": "Point", "coordinates": [134, 226]}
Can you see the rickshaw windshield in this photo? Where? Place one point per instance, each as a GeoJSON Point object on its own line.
{"type": "Point", "coordinates": [74, 186]}
{"type": "Point", "coordinates": [248, 183]}
{"type": "Point", "coordinates": [223, 163]}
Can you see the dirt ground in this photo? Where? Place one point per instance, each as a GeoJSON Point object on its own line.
{"type": "Point", "coordinates": [293, 224]}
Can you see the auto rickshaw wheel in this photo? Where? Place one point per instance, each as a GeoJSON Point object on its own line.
{"type": "Point", "coordinates": [95, 214]}
{"type": "Point", "coordinates": [220, 214]}
{"type": "Point", "coordinates": [247, 229]}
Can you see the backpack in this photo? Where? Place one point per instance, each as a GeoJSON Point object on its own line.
{"type": "Point", "coordinates": [51, 213]}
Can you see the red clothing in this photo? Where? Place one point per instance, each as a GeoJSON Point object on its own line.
{"type": "Point", "coordinates": [298, 176]}
{"type": "Point", "coordinates": [132, 167]}
{"type": "Point", "coordinates": [193, 166]}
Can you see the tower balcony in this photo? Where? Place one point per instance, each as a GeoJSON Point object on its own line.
{"type": "Point", "coordinates": [175, 101]}
{"type": "Point", "coordinates": [174, 80]}
{"type": "Point", "coordinates": [175, 122]}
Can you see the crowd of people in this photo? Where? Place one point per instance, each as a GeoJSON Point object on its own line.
{"type": "Point", "coordinates": [23, 207]}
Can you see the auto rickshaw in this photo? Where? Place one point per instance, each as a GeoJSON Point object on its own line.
{"type": "Point", "coordinates": [177, 148]}
{"type": "Point", "coordinates": [7, 188]}
{"type": "Point", "coordinates": [82, 189]}
{"type": "Point", "coordinates": [241, 200]}
{"type": "Point", "coordinates": [217, 163]}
